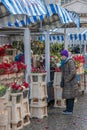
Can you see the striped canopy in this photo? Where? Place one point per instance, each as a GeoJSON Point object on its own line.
{"type": "Point", "coordinates": [35, 10]}
{"type": "Point", "coordinates": [53, 38]}
{"type": "Point", "coordinates": [78, 37]}
{"type": "Point", "coordinates": [59, 16]}
{"type": "Point", "coordinates": [27, 7]}
{"type": "Point", "coordinates": [21, 12]}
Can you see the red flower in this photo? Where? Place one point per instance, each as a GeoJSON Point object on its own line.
{"type": "Point", "coordinates": [57, 69]}
{"type": "Point", "coordinates": [25, 84]}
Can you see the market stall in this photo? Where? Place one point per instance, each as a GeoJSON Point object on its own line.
{"type": "Point", "coordinates": [16, 100]}
{"type": "Point", "coordinates": [24, 18]}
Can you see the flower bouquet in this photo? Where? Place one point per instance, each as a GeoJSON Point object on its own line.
{"type": "Point", "coordinates": [16, 87]}
{"type": "Point", "coordinates": [38, 70]}
{"type": "Point", "coordinates": [8, 68]}
{"type": "Point", "coordinates": [79, 61]}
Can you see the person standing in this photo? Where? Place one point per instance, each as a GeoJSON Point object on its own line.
{"type": "Point", "coordinates": [68, 81]}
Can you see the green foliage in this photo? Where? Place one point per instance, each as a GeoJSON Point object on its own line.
{"type": "Point", "coordinates": [2, 90]}
{"type": "Point", "coordinates": [38, 47]}
{"type": "Point", "coordinates": [56, 48]}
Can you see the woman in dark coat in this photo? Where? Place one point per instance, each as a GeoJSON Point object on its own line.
{"type": "Point", "coordinates": [68, 81]}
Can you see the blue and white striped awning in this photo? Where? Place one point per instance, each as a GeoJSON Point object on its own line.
{"type": "Point", "coordinates": [52, 38]}
{"type": "Point", "coordinates": [62, 13]}
{"type": "Point", "coordinates": [57, 38]}
{"type": "Point", "coordinates": [58, 16]}
{"type": "Point", "coordinates": [78, 37]}
{"type": "Point", "coordinates": [26, 7]}
{"type": "Point", "coordinates": [21, 12]}
{"type": "Point", "coordinates": [35, 10]}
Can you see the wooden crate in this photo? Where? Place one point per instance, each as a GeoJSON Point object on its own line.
{"type": "Point", "coordinates": [38, 102]}
{"type": "Point", "coordinates": [38, 112]}
{"type": "Point", "coordinates": [16, 103]}
{"type": "Point", "coordinates": [38, 77]}
{"type": "Point", "coordinates": [80, 69]}
{"type": "Point", "coordinates": [57, 92]}
{"type": "Point", "coordinates": [81, 83]}
{"type": "Point", "coordinates": [60, 103]}
{"type": "Point", "coordinates": [26, 112]}
{"type": "Point", "coordinates": [57, 78]}
{"type": "Point", "coordinates": [38, 90]}
{"type": "Point", "coordinates": [17, 126]}
{"type": "Point", "coordinates": [4, 77]}
{"type": "Point", "coordinates": [13, 75]}
{"type": "Point", "coordinates": [8, 59]}
{"type": "Point", "coordinates": [4, 120]}
{"type": "Point", "coordinates": [11, 51]}
{"type": "Point", "coordinates": [20, 76]}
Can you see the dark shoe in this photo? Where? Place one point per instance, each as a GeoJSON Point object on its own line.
{"type": "Point", "coordinates": [64, 110]}
{"type": "Point", "coordinates": [67, 113]}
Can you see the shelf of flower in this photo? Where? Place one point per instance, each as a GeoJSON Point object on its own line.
{"type": "Point", "coordinates": [79, 61]}
{"type": "Point", "coordinates": [38, 93]}
{"type": "Point", "coordinates": [12, 77]}
{"type": "Point", "coordinates": [7, 53]}
{"type": "Point", "coordinates": [10, 72]}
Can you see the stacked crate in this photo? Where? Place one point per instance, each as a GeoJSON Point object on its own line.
{"type": "Point", "coordinates": [18, 110]}
{"type": "Point", "coordinates": [59, 102]}
{"type": "Point", "coordinates": [38, 95]}
{"type": "Point", "coordinates": [26, 112]}
{"type": "Point", "coordinates": [10, 78]}
{"type": "Point", "coordinates": [3, 114]}
{"type": "Point", "coordinates": [83, 83]}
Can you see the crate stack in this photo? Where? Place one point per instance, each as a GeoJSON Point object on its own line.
{"type": "Point", "coordinates": [10, 78]}
{"type": "Point", "coordinates": [59, 102]}
{"type": "Point", "coordinates": [3, 114]}
{"type": "Point", "coordinates": [25, 106]}
{"type": "Point", "coordinates": [38, 95]}
{"type": "Point", "coordinates": [82, 83]}
{"type": "Point", "coordinates": [18, 110]}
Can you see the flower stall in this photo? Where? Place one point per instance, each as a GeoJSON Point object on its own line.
{"type": "Point", "coordinates": [13, 90]}
{"type": "Point", "coordinates": [80, 61]}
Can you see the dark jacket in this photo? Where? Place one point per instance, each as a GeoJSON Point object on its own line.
{"type": "Point", "coordinates": [70, 89]}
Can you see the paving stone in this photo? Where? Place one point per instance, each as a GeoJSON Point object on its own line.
{"type": "Point", "coordinates": [57, 121]}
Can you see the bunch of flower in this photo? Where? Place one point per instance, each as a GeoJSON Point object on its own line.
{"type": "Point", "coordinates": [2, 51]}
{"type": "Point", "coordinates": [16, 87]}
{"type": "Point", "coordinates": [7, 46]}
{"type": "Point", "coordinates": [79, 59]}
{"type": "Point", "coordinates": [7, 68]}
{"type": "Point", "coordinates": [38, 70]}
{"type": "Point", "coordinates": [20, 66]}
{"type": "Point", "coordinates": [53, 61]}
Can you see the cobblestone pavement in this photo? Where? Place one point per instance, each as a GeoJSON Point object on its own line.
{"type": "Point", "coordinates": [57, 121]}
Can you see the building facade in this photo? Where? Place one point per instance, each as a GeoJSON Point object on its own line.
{"type": "Point", "coordinates": [60, 2]}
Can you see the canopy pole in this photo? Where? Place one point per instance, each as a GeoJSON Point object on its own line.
{"type": "Point", "coordinates": [84, 47]}
{"type": "Point", "coordinates": [65, 39]}
{"type": "Point", "coordinates": [47, 55]}
{"type": "Point", "coordinates": [27, 53]}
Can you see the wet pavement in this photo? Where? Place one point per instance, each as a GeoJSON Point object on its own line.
{"type": "Point", "coordinates": [57, 121]}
